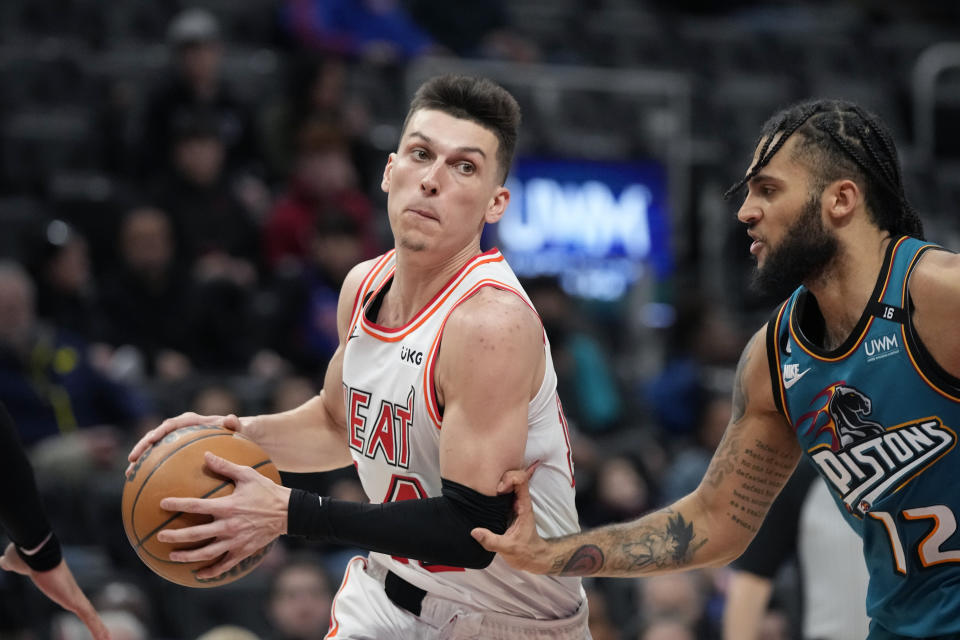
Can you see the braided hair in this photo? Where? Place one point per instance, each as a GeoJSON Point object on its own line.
{"type": "Point", "coordinates": [838, 139]}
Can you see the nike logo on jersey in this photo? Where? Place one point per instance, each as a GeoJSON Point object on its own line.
{"type": "Point", "coordinates": [792, 374]}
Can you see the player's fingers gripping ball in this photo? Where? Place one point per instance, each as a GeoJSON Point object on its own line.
{"type": "Point", "coordinates": [174, 467]}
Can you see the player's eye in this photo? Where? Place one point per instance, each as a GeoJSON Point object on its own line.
{"type": "Point", "coordinates": [419, 154]}
{"type": "Point", "coordinates": [466, 167]}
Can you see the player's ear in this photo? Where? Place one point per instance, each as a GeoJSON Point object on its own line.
{"type": "Point", "coordinates": [498, 205]}
{"type": "Point", "coordinates": [841, 198]}
{"type": "Point", "coordinates": [387, 170]}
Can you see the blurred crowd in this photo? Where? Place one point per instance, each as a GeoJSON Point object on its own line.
{"type": "Point", "coordinates": [203, 274]}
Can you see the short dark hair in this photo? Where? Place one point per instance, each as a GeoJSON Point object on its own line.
{"type": "Point", "coordinates": [476, 99]}
{"type": "Point", "coordinates": [839, 139]}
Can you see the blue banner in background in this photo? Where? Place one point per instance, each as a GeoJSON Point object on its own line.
{"type": "Point", "coordinates": [597, 226]}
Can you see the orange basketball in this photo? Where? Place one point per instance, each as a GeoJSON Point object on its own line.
{"type": "Point", "coordinates": [174, 468]}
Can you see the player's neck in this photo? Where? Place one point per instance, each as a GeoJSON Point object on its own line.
{"type": "Point", "coordinates": [844, 288]}
{"type": "Point", "coordinates": [418, 278]}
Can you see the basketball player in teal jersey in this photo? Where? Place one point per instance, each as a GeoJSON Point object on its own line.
{"type": "Point", "coordinates": [859, 369]}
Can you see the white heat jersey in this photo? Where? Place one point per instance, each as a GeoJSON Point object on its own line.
{"type": "Point", "coordinates": [394, 423]}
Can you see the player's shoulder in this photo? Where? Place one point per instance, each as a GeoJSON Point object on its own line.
{"type": "Point", "coordinates": [936, 277]}
{"type": "Point", "coordinates": [754, 357]}
{"type": "Point", "coordinates": [491, 312]}
{"type": "Point", "coordinates": [754, 371]}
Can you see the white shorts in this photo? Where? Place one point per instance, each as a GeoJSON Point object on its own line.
{"type": "Point", "coordinates": [362, 611]}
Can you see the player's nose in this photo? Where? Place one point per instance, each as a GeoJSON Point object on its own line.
{"type": "Point", "coordinates": [429, 182]}
{"type": "Point", "coordinates": [749, 213]}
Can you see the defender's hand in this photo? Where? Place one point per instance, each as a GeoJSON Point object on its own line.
{"type": "Point", "coordinates": [521, 546]}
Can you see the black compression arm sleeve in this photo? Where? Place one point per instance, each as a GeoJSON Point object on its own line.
{"type": "Point", "coordinates": [435, 530]}
{"type": "Point", "coordinates": [21, 512]}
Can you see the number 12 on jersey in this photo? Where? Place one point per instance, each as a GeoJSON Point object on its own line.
{"type": "Point", "coordinates": [929, 551]}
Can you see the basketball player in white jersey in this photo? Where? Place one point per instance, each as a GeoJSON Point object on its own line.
{"type": "Point", "coordinates": [443, 380]}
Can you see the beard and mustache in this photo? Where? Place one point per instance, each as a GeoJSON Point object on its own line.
{"type": "Point", "coordinates": [804, 253]}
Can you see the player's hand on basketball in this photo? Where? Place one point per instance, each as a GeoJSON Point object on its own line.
{"type": "Point", "coordinates": [521, 546]}
{"type": "Point", "coordinates": [243, 522]}
{"type": "Point", "coordinates": [188, 419]}
{"type": "Point", "coordinates": [59, 585]}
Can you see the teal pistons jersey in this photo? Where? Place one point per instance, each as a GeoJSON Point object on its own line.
{"type": "Point", "coordinates": [879, 418]}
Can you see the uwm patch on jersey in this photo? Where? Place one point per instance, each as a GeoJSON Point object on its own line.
{"type": "Point", "coordinates": [864, 460]}
{"type": "Point", "coordinates": [383, 430]}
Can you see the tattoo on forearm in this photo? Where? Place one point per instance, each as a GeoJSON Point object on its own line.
{"type": "Point", "coordinates": [584, 561]}
{"type": "Point", "coordinates": [762, 471]}
{"type": "Point", "coordinates": [630, 549]}
{"type": "Point", "coordinates": [759, 469]}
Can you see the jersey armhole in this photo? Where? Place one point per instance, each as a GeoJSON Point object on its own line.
{"type": "Point", "coordinates": [364, 290]}
{"type": "Point", "coordinates": [773, 358]}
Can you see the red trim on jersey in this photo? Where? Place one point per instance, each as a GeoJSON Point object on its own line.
{"type": "Point", "coordinates": [395, 334]}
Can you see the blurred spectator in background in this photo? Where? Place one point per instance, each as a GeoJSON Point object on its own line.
{"type": "Point", "coordinates": [46, 378]}
{"type": "Point", "coordinates": [146, 296]}
{"type": "Point", "coordinates": [378, 30]}
{"type": "Point", "coordinates": [289, 392]}
{"type": "Point", "coordinates": [66, 291]}
{"type": "Point", "coordinates": [586, 381]}
{"type": "Point", "coordinates": [126, 596]}
{"type": "Point", "coordinates": [228, 632]}
{"type": "Point", "coordinates": [682, 600]}
{"type": "Point", "coordinates": [318, 93]}
{"type": "Point", "coordinates": [323, 185]}
{"type": "Point", "coordinates": [300, 599]}
{"type": "Point", "coordinates": [193, 85]}
{"type": "Point", "coordinates": [601, 626]}
{"type": "Point", "coordinates": [473, 29]}
{"type": "Point", "coordinates": [219, 397]}
{"type": "Point", "coordinates": [218, 242]}
{"type": "Point", "coordinates": [690, 460]}
{"type": "Point", "coordinates": [121, 625]}
{"type": "Point", "coordinates": [622, 490]}
{"type": "Point", "coordinates": [666, 629]}
{"type": "Point", "coordinates": [697, 340]}
{"type": "Point", "coordinates": [306, 321]}
{"type": "Point", "coordinates": [215, 231]}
